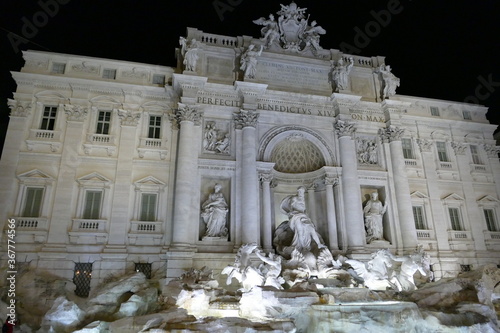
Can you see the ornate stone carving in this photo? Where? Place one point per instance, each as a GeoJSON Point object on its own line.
{"type": "Point", "coordinates": [330, 181]}
{"type": "Point", "coordinates": [189, 51]}
{"type": "Point", "coordinates": [340, 74]}
{"type": "Point", "coordinates": [186, 113]}
{"type": "Point", "coordinates": [424, 145]}
{"type": "Point", "coordinates": [214, 140]}
{"type": "Point", "coordinates": [367, 151]}
{"type": "Point", "coordinates": [19, 109]}
{"type": "Point", "coordinates": [214, 214]}
{"type": "Point", "coordinates": [391, 133]}
{"type": "Point", "coordinates": [129, 118]}
{"type": "Point", "coordinates": [249, 61]}
{"type": "Point", "coordinates": [136, 73]}
{"type": "Point", "coordinates": [75, 112]}
{"type": "Point", "coordinates": [492, 151]}
{"type": "Point", "coordinates": [344, 128]}
{"type": "Point", "coordinates": [374, 211]}
{"type": "Point", "coordinates": [266, 177]}
{"type": "Point", "coordinates": [245, 118]}
{"type": "Point", "coordinates": [389, 81]}
{"type": "Point", "coordinates": [84, 68]}
{"type": "Point", "coordinates": [459, 148]}
{"type": "Point", "coordinates": [292, 31]}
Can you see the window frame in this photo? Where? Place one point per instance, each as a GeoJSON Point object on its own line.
{"type": "Point", "coordinates": [48, 122]}
{"type": "Point", "coordinates": [455, 220]}
{"type": "Point", "coordinates": [27, 199]}
{"type": "Point", "coordinates": [106, 124]}
{"type": "Point", "coordinates": [94, 211]}
{"type": "Point", "coordinates": [109, 73]}
{"type": "Point", "coordinates": [156, 128]}
{"type": "Point", "coordinates": [442, 151]}
{"type": "Point", "coordinates": [475, 155]}
{"type": "Point", "coordinates": [58, 68]}
{"type": "Point", "coordinates": [408, 142]}
{"type": "Point", "coordinates": [423, 221]}
{"type": "Point", "coordinates": [39, 179]}
{"type": "Point", "coordinates": [162, 78]}
{"type": "Point", "coordinates": [435, 111]}
{"type": "Point", "coordinates": [467, 115]}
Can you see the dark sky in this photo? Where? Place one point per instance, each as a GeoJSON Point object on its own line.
{"type": "Point", "coordinates": [444, 49]}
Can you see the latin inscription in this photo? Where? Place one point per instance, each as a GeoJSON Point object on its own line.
{"type": "Point", "coordinates": [312, 78]}
{"type": "Point", "coordinates": [367, 117]}
{"type": "Point", "coordinates": [218, 101]}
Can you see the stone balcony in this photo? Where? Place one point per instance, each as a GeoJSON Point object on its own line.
{"type": "Point", "coordinates": [153, 146]}
{"type": "Point", "coordinates": [31, 229]}
{"type": "Point", "coordinates": [38, 138]}
{"type": "Point", "coordinates": [100, 141]}
{"type": "Point", "coordinates": [89, 232]}
{"type": "Point", "coordinates": [145, 233]}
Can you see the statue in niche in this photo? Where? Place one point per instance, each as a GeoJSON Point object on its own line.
{"type": "Point", "coordinates": [389, 81]}
{"type": "Point", "coordinates": [270, 32]}
{"type": "Point", "coordinates": [214, 212]}
{"type": "Point", "coordinates": [249, 61]}
{"type": "Point", "coordinates": [374, 211]}
{"type": "Point", "coordinates": [304, 230]}
{"type": "Point", "coordinates": [340, 74]}
{"type": "Point", "coordinates": [313, 34]}
{"type": "Point", "coordinates": [189, 52]}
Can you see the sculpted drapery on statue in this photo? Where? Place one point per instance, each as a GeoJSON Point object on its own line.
{"type": "Point", "coordinates": [304, 230]}
{"type": "Point", "coordinates": [389, 81]}
{"type": "Point", "coordinates": [214, 212]}
{"type": "Point", "coordinates": [249, 61]}
{"type": "Point", "coordinates": [340, 74]}
{"type": "Point", "coordinates": [374, 211]}
{"type": "Point", "coordinates": [189, 50]}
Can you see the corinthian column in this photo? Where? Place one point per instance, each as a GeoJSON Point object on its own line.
{"type": "Point", "coordinates": [350, 186]}
{"type": "Point", "coordinates": [246, 121]}
{"type": "Point", "coordinates": [393, 134]}
{"type": "Point", "coordinates": [331, 218]}
{"type": "Point", "coordinates": [267, 242]}
{"type": "Point", "coordinates": [183, 234]}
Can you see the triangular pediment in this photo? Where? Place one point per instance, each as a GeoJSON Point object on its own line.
{"type": "Point", "coordinates": [453, 197]}
{"type": "Point", "coordinates": [418, 195]}
{"type": "Point", "coordinates": [149, 180]}
{"type": "Point", "coordinates": [488, 199]}
{"type": "Point", "coordinates": [35, 173]}
{"type": "Point", "coordinates": [93, 177]}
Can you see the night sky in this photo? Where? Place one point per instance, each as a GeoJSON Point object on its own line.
{"type": "Point", "coordinates": [446, 49]}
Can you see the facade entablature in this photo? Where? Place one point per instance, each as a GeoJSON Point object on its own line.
{"type": "Point", "coordinates": [65, 65]}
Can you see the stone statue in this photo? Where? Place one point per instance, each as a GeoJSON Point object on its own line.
{"type": "Point", "coordinates": [249, 61]}
{"type": "Point", "coordinates": [390, 81]}
{"type": "Point", "coordinates": [417, 261]}
{"type": "Point", "coordinates": [270, 32]}
{"type": "Point", "coordinates": [304, 231]}
{"type": "Point", "coordinates": [222, 145]}
{"type": "Point", "coordinates": [271, 269]}
{"type": "Point", "coordinates": [374, 211]}
{"type": "Point", "coordinates": [376, 273]}
{"type": "Point", "coordinates": [340, 74]}
{"type": "Point", "coordinates": [210, 139]}
{"type": "Point", "coordinates": [190, 53]}
{"type": "Point", "coordinates": [214, 212]}
{"type": "Point", "coordinates": [312, 34]}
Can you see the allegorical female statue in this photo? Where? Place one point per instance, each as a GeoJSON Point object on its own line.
{"type": "Point", "coordinates": [374, 211]}
{"type": "Point", "coordinates": [214, 213]}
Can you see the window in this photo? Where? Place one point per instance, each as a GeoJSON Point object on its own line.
{"type": "Point", "coordinates": [418, 216]}
{"type": "Point", "coordinates": [476, 159]}
{"type": "Point", "coordinates": [465, 268]}
{"type": "Point", "coordinates": [455, 219]}
{"type": "Point", "coordinates": [154, 127]}
{"type": "Point", "coordinates": [82, 275]}
{"type": "Point", "coordinates": [92, 205]}
{"type": "Point", "coordinates": [33, 202]}
{"type": "Point", "coordinates": [466, 114]}
{"type": "Point", "coordinates": [491, 223]}
{"type": "Point", "coordinates": [109, 74]}
{"type": "Point", "coordinates": [158, 79]}
{"type": "Point", "coordinates": [148, 207]}
{"type": "Point", "coordinates": [441, 150]}
{"type": "Point", "coordinates": [144, 268]}
{"type": "Point", "coordinates": [407, 149]}
{"type": "Point", "coordinates": [103, 122]}
{"type": "Point", "coordinates": [49, 118]}
{"type": "Point", "coordinates": [434, 111]}
{"type": "Point", "coordinates": [58, 68]}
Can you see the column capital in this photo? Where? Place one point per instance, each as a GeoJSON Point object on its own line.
{"type": "Point", "coordinates": [18, 108]}
{"type": "Point", "coordinates": [245, 118]}
{"type": "Point", "coordinates": [129, 118]}
{"type": "Point", "coordinates": [344, 128]}
{"type": "Point", "coordinates": [75, 112]}
{"type": "Point", "coordinates": [333, 181]}
{"type": "Point", "coordinates": [459, 148]}
{"type": "Point", "coordinates": [424, 145]}
{"type": "Point", "coordinates": [491, 150]}
{"type": "Point", "coordinates": [185, 113]}
{"type": "Point", "coordinates": [265, 177]}
{"type": "Point", "coordinates": [391, 133]}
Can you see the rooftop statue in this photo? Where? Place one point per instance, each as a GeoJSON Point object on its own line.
{"type": "Point", "coordinates": [292, 31]}
{"type": "Point", "coordinates": [389, 81]}
{"type": "Point", "coordinates": [340, 74]}
{"type": "Point", "coordinates": [189, 51]}
{"type": "Point", "coordinates": [249, 61]}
